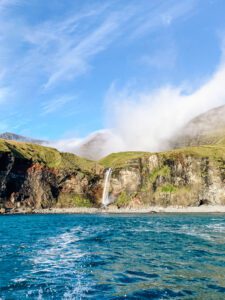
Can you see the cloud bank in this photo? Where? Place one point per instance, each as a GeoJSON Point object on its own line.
{"type": "Point", "coordinates": [146, 121]}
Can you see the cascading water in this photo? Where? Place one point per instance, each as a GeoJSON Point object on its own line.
{"type": "Point", "coordinates": [105, 195]}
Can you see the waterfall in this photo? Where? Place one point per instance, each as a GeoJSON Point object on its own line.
{"type": "Point", "coordinates": [105, 195]}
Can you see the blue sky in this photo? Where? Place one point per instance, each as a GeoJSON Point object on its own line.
{"type": "Point", "coordinates": [59, 60]}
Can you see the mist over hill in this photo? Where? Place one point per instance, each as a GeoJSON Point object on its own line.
{"type": "Point", "coordinates": [207, 128]}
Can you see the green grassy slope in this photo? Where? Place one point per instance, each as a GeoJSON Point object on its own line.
{"type": "Point", "coordinates": [121, 159]}
{"type": "Point", "coordinates": [47, 156]}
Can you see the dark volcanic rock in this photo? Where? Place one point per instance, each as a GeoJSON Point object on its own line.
{"type": "Point", "coordinates": [33, 176]}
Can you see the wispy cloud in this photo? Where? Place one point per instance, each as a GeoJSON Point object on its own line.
{"type": "Point", "coordinates": [45, 55]}
{"type": "Point", "coordinates": [62, 48]}
{"type": "Point", "coordinates": [56, 104]}
{"type": "Point", "coordinates": [163, 14]}
{"type": "Point", "coordinates": [75, 62]}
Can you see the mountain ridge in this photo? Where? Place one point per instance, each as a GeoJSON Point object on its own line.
{"type": "Point", "coordinates": [17, 137]}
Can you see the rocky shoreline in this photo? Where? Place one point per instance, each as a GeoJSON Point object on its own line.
{"type": "Point", "coordinates": [115, 210]}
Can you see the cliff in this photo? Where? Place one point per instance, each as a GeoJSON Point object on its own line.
{"type": "Point", "coordinates": [184, 177]}
{"type": "Point", "coordinates": [33, 176]}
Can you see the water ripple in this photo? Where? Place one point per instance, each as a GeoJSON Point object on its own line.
{"type": "Point", "coordinates": [112, 257]}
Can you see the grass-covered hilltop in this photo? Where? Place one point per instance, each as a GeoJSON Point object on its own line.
{"type": "Point", "coordinates": [33, 176]}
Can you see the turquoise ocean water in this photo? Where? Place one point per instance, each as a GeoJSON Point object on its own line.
{"type": "Point", "coordinates": [112, 256]}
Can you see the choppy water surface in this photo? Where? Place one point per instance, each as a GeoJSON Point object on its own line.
{"type": "Point", "coordinates": [112, 257]}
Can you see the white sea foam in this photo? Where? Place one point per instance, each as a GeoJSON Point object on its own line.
{"type": "Point", "coordinates": [219, 227]}
{"type": "Point", "coordinates": [60, 258]}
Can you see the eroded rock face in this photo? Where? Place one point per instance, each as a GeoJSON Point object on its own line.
{"type": "Point", "coordinates": [128, 180]}
{"type": "Point", "coordinates": [155, 179]}
{"type": "Point", "coordinates": [181, 180]}
{"type": "Point", "coordinates": [24, 183]}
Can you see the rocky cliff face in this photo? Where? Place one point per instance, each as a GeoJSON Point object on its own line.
{"type": "Point", "coordinates": [33, 176]}
{"type": "Point", "coordinates": [188, 177]}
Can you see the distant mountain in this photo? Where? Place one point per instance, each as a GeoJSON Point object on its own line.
{"type": "Point", "coordinates": [206, 129]}
{"type": "Point", "coordinates": [20, 138]}
{"type": "Point", "coordinates": [96, 145]}
{"type": "Point", "coordinates": [92, 147]}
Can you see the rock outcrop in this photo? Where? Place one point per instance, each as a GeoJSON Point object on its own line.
{"type": "Point", "coordinates": [186, 177]}
{"type": "Point", "coordinates": [33, 176]}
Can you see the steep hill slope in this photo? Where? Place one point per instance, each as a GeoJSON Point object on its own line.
{"type": "Point", "coordinates": [206, 129]}
{"type": "Point", "coordinates": [33, 176]}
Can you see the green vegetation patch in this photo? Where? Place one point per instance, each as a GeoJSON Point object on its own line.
{"type": "Point", "coordinates": [123, 200]}
{"type": "Point", "coordinates": [71, 161]}
{"type": "Point", "coordinates": [71, 200]}
{"type": "Point", "coordinates": [164, 171]}
{"type": "Point", "coordinates": [213, 152]}
{"type": "Point", "coordinates": [47, 156]}
{"type": "Point", "coordinates": [168, 188]}
{"type": "Point", "coordinates": [121, 159]}
{"type": "Point", "coordinates": [3, 146]}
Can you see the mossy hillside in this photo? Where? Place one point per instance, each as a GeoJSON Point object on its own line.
{"type": "Point", "coordinates": [71, 161]}
{"type": "Point", "coordinates": [46, 156]}
{"type": "Point", "coordinates": [213, 152]}
{"type": "Point", "coordinates": [121, 159]}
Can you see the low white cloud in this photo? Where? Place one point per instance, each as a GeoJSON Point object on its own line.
{"type": "Point", "coordinates": [146, 121]}
{"type": "Point", "coordinates": [164, 14]}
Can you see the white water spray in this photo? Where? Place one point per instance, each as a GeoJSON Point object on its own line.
{"type": "Point", "coordinates": [105, 195]}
